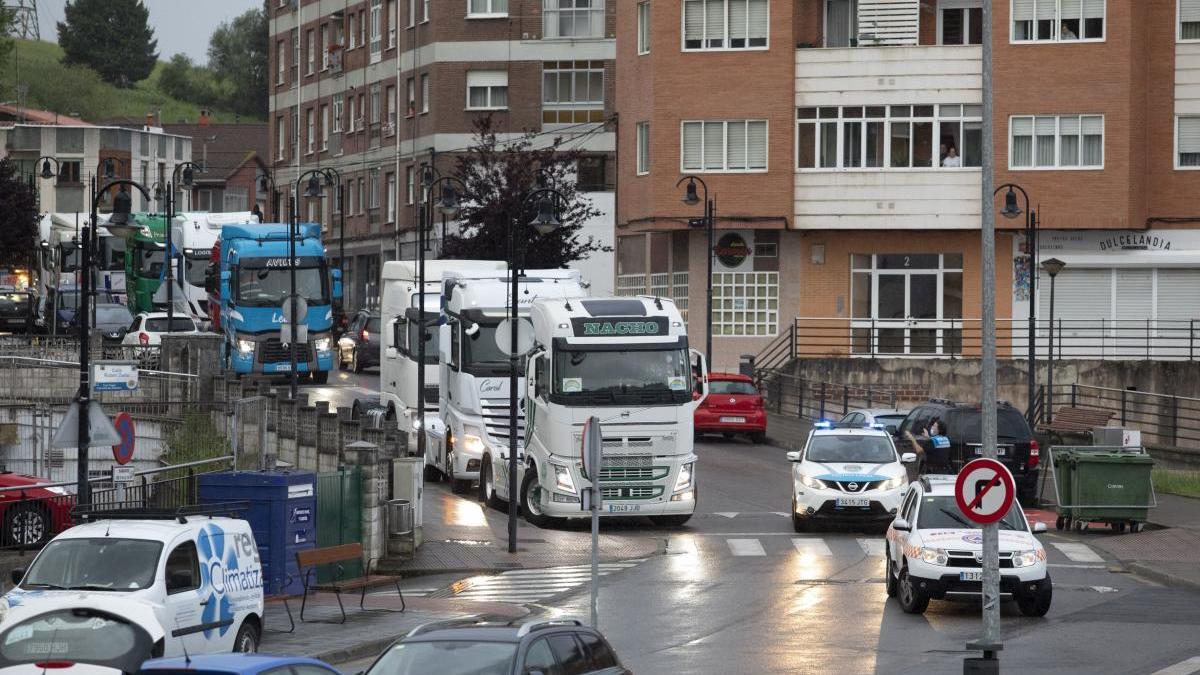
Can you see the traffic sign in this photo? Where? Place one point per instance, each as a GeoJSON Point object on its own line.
{"type": "Point", "coordinates": [123, 451]}
{"type": "Point", "coordinates": [984, 490]}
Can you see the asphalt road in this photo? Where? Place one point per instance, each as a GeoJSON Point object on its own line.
{"type": "Point", "coordinates": [343, 387]}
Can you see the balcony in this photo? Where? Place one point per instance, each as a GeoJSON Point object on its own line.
{"type": "Point", "coordinates": [881, 199]}
{"type": "Point", "coordinates": [883, 75]}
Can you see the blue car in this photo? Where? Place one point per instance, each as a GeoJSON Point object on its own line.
{"type": "Point", "coordinates": [237, 664]}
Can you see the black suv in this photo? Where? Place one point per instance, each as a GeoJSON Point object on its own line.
{"type": "Point", "coordinates": [485, 648]}
{"type": "Point", "coordinates": [961, 423]}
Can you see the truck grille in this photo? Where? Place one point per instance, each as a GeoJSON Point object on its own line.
{"type": "Point", "coordinates": [633, 445]}
{"type": "Point", "coordinates": [632, 491]}
{"type": "Point", "coordinates": [627, 473]}
{"type": "Point", "coordinates": [274, 351]}
{"type": "Point", "coordinates": [496, 417]}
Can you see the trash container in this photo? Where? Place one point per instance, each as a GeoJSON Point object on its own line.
{"type": "Point", "coordinates": [1105, 485]}
{"type": "Point", "coordinates": [399, 517]}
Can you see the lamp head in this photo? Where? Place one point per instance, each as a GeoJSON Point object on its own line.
{"type": "Point", "coordinates": [158, 192]}
{"type": "Point", "coordinates": [329, 179]}
{"type": "Point", "coordinates": [188, 175]}
{"type": "Point", "coordinates": [448, 204]}
{"type": "Point", "coordinates": [122, 206]}
{"type": "Point", "coordinates": [1053, 266]}
{"type": "Point", "coordinates": [427, 177]}
{"type": "Point", "coordinates": [547, 219]}
{"type": "Point", "coordinates": [690, 197]}
{"type": "Point", "coordinates": [263, 185]}
{"type": "Point", "coordinates": [46, 172]}
{"type": "Point", "coordinates": [1011, 210]}
{"type": "Point", "coordinates": [314, 186]}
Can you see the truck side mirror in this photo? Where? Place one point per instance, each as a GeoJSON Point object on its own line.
{"type": "Point", "coordinates": [336, 276]}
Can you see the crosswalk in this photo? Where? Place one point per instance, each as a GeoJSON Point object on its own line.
{"type": "Point", "coordinates": [524, 586]}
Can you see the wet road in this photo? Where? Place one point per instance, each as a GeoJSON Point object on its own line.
{"type": "Point", "coordinates": [344, 387]}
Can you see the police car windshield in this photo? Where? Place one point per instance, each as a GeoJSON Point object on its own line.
{"type": "Point", "coordinates": [447, 657]}
{"type": "Point", "coordinates": [942, 513]}
{"type": "Point", "coordinates": [849, 448]}
{"type": "Point", "coordinates": [106, 564]}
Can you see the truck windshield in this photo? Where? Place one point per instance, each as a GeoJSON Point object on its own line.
{"type": "Point", "coordinates": [194, 269]}
{"type": "Point", "coordinates": [268, 287]}
{"type": "Point", "coordinates": [106, 564]}
{"type": "Point", "coordinates": [653, 376]}
{"type": "Point", "coordinates": [149, 262]}
{"type": "Point", "coordinates": [482, 356]}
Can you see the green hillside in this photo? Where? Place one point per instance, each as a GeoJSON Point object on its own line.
{"type": "Point", "coordinates": [78, 90]}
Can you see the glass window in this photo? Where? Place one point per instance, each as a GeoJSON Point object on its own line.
{"type": "Point", "coordinates": [570, 654]}
{"type": "Point", "coordinates": [737, 387]}
{"type": "Point", "coordinates": [841, 23]}
{"type": "Point", "coordinates": [267, 287]}
{"type": "Point", "coordinates": [572, 92]}
{"type": "Point", "coordinates": [942, 513]}
{"type": "Point", "coordinates": [109, 563]}
{"type": "Point", "coordinates": [849, 448]}
{"type": "Point", "coordinates": [601, 655]}
{"type": "Point", "coordinates": [448, 656]}
{"type": "Point", "coordinates": [727, 146]}
{"type": "Point", "coordinates": [183, 568]}
{"type": "Point", "coordinates": [725, 24]}
{"type": "Point", "coordinates": [487, 89]}
{"type": "Point", "coordinates": [494, 7]}
{"type": "Point", "coordinates": [643, 147]}
{"type": "Point", "coordinates": [1188, 134]}
{"type": "Point", "coordinates": [540, 659]}
{"type": "Point", "coordinates": [1189, 19]}
{"type": "Point", "coordinates": [1057, 20]}
{"type": "Point", "coordinates": [961, 25]}
{"type": "Point", "coordinates": [1048, 141]}
{"type": "Point", "coordinates": [745, 303]}
{"type": "Point", "coordinates": [643, 25]}
{"type": "Point", "coordinates": [897, 137]}
{"type": "Point", "coordinates": [573, 18]}
{"type": "Point", "coordinates": [72, 635]}
{"type": "Point", "coordinates": [622, 377]}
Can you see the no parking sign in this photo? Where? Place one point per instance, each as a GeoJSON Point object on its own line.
{"type": "Point", "coordinates": [123, 452]}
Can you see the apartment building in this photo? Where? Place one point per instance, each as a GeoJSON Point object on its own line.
{"type": "Point", "coordinates": [378, 89]}
{"type": "Point", "coordinates": [842, 141]}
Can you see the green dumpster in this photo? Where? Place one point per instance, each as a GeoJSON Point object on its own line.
{"type": "Point", "coordinates": [1105, 485]}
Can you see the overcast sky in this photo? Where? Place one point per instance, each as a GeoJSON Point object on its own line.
{"type": "Point", "coordinates": [181, 26]}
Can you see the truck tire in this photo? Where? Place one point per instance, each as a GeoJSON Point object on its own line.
{"type": "Point", "coordinates": [320, 377]}
{"type": "Point", "coordinates": [487, 487]}
{"type": "Point", "coordinates": [529, 507]}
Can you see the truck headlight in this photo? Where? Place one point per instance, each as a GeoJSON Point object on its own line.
{"type": "Point", "coordinates": [1024, 558]}
{"type": "Point", "coordinates": [562, 478]}
{"type": "Point", "coordinates": [809, 481]}
{"type": "Point", "coordinates": [684, 481]}
{"type": "Point", "coordinates": [245, 347]}
{"type": "Point", "coordinates": [934, 556]}
{"type": "Point", "coordinates": [472, 440]}
{"type": "Point", "coordinates": [321, 344]}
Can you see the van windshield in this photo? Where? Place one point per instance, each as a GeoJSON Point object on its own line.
{"type": "Point", "coordinates": [103, 564]}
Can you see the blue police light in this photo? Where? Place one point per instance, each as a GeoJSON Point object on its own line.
{"type": "Point", "coordinates": [877, 425]}
{"type": "Point", "coordinates": [822, 424]}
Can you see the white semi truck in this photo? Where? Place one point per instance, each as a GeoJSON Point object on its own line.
{"type": "Point", "coordinates": [473, 393]}
{"type": "Point", "coordinates": [399, 344]}
{"type": "Point", "coordinates": [193, 236]}
{"type": "Point", "coordinates": [627, 362]}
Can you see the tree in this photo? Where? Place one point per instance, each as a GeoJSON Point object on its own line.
{"type": "Point", "coordinates": [7, 15]}
{"type": "Point", "coordinates": [18, 217]}
{"type": "Point", "coordinates": [498, 177]}
{"type": "Point", "coordinates": [112, 37]}
{"type": "Point", "coordinates": [237, 55]}
{"type": "Point", "coordinates": [182, 79]}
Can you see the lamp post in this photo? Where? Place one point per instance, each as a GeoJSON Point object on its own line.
{"type": "Point", "coordinates": [122, 206]}
{"type": "Point", "coordinates": [189, 170]}
{"type": "Point", "coordinates": [52, 313]}
{"type": "Point", "coordinates": [334, 177]}
{"type": "Point", "coordinates": [1052, 266]}
{"type": "Point", "coordinates": [312, 190]}
{"type": "Point", "coordinates": [1011, 211]}
{"type": "Point", "coordinates": [709, 222]}
{"type": "Point", "coordinates": [545, 222]}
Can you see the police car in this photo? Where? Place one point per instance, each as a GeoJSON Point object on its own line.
{"type": "Point", "coordinates": [847, 475]}
{"type": "Point", "coordinates": [935, 552]}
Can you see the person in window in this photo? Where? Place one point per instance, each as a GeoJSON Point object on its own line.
{"type": "Point", "coordinates": [1067, 34]}
{"type": "Point", "coordinates": [952, 160]}
{"type": "Point", "coordinates": [942, 155]}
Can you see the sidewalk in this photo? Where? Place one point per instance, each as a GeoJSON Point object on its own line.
{"type": "Point", "coordinates": [1169, 556]}
{"type": "Point", "coordinates": [463, 537]}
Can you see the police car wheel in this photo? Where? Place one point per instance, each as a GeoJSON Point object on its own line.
{"type": "Point", "coordinates": [912, 601]}
{"type": "Point", "coordinates": [247, 639]}
{"type": "Point", "coordinates": [890, 583]}
{"type": "Point", "coordinates": [1037, 604]}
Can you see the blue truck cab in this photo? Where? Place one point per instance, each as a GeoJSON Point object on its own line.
{"type": "Point", "coordinates": [254, 285]}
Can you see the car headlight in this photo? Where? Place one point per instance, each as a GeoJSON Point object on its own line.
{"type": "Point", "coordinates": [684, 481]}
{"type": "Point", "coordinates": [809, 481]}
{"type": "Point", "coordinates": [1024, 558]}
{"type": "Point", "coordinates": [322, 344]}
{"type": "Point", "coordinates": [934, 556]}
{"type": "Point", "coordinates": [892, 484]}
{"type": "Point", "coordinates": [562, 478]}
{"type": "Point", "coordinates": [245, 346]}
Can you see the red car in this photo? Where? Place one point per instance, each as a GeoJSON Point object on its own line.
{"type": "Point", "coordinates": [29, 518]}
{"type": "Point", "coordinates": [733, 406]}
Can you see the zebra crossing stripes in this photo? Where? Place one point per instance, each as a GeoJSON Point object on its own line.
{"type": "Point", "coordinates": [816, 547]}
{"type": "Point", "coordinates": [745, 547]}
{"type": "Point", "coordinates": [523, 586]}
{"type": "Point", "coordinates": [1079, 553]}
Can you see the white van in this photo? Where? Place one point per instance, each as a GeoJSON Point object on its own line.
{"type": "Point", "coordinates": [202, 576]}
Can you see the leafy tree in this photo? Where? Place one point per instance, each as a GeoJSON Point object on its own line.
{"type": "Point", "coordinates": [237, 56]}
{"type": "Point", "coordinates": [112, 37]}
{"type": "Point", "coordinates": [498, 177]}
{"type": "Point", "coordinates": [6, 39]}
{"type": "Point", "coordinates": [182, 79]}
{"type": "Point", "coordinates": [18, 217]}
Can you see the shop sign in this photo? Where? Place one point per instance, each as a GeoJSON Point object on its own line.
{"type": "Point", "coordinates": [732, 249]}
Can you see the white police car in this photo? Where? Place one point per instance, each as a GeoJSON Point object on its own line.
{"type": "Point", "coordinates": [847, 475]}
{"type": "Point", "coordinates": [934, 551]}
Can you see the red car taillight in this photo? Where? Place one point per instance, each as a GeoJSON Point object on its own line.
{"type": "Point", "coordinates": [365, 335]}
{"type": "Point", "coordinates": [757, 402]}
{"type": "Point", "coordinates": [143, 338]}
{"type": "Point", "coordinates": [1034, 454]}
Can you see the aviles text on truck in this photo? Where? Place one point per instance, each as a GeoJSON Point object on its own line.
{"type": "Point", "coordinates": [402, 334]}
{"type": "Point", "coordinates": [625, 361]}
{"type": "Point", "coordinates": [254, 284]}
{"type": "Point", "coordinates": [473, 393]}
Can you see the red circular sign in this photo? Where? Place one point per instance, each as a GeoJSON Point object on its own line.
{"type": "Point", "coordinates": [123, 423]}
{"type": "Point", "coordinates": [984, 490]}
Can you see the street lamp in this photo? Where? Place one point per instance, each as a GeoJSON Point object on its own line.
{"type": "Point", "coordinates": [267, 181]}
{"type": "Point", "coordinates": [122, 206]}
{"type": "Point", "coordinates": [1012, 211]}
{"type": "Point", "coordinates": [1052, 267]}
{"type": "Point", "coordinates": [709, 223]}
{"type": "Point", "coordinates": [188, 170]}
{"type": "Point", "coordinates": [334, 177]}
{"type": "Point", "coordinates": [312, 182]}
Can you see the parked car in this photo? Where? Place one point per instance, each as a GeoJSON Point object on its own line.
{"type": "Point", "coordinates": [113, 321]}
{"type": "Point", "coordinates": [358, 347]}
{"type": "Point", "coordinates": [67, 635]}
{"type": "Point", "coordinates": [149, 327]}
{"type": "Point", "coordinates": [961, 424]}
{"type": "Point", "coordinates": [18, 310]}
{"type": "Point", "coordinates": [734, 406]}
{"type": "Point", "coordinates": [481, 648]}
{"type": "Point", "coordinates": [237, 664]}
{"type": "Point", "coordinates": [874, 418]}
{"type": "Point", "coordinates": [31, 516]}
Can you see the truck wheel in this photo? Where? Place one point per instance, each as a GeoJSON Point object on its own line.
{"type": "Point", "coordinates": [487, 487]}
{"type": "Point", "coordinates": [677, 520]}
{"type": "Point", "coordinates": [912, 600]}
{"type": "Point", "coordinates": [320, 377]}
{"type": "Point", "coordinates": [247, 639]}
{"type": "Point", "coordinates": [530, 491]}
{"type": "Point", "coordinates": [1038, 603]}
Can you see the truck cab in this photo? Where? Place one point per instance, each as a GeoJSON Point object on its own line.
{"type": "Point", "coordinates": [193, 236]}
{"type": "Point", "coordinates": [627, 362]}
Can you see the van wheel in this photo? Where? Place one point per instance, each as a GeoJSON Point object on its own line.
{"type": "Point", "coordinates": [247, 639]}
{"type": "Point", "coordinates": [530, 492]}
{"type": "Point", "coordinates": [26, 525]}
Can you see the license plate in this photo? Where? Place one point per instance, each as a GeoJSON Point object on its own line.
{"type": "Point", "coordinates": [853, 501]}
{"type": "Point", "coordinates": [733, 420]}
{"type": "Point", "coordinates": [970, 576]}
{"type": "Point", "coordinates": [1001, 451]}
{"type": "Point", "coordinates": [624, 508]}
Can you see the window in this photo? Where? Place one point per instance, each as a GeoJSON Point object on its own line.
{"type": "Point", "coordinates": [1187, 142]}
{"type": "Point", "coordinates": [183, 569]}
{"type": "Point", "coordinates": [735, 145]}
{"type": "Point", "coordinates": [310, 41]}
{"type": "Point", "coordinates": [841, 23]}
{"type": "Point", "coordinates": [353, 31]}
{"type": "Point", "coordinates": [412, 12]}
{"type": "Point", "coordinates": [324, 46]}
{"type": "Point", "coordinates": [960, 22]}
{"type": "Point", "coordinates": [425, 11]}
{"type": "Point", "coordinates": [1057, 20]}
{"type": "Point", "coordinates": [570, 654]}
{"type": "Point", "coordinates": [893, 137]}
{"type": "Point", "coordinates": [68, 173]}
{"type": "Point", "coordinates": [643, 27]}
{"type": "Point", "coordinates": [295, 56]}
{"type": "Point", "coordinates": [280, 138]}
{"type": "Point", "coordinates": [350, 197]}
{"type": "Point", "coordinates": [339, 103]}
{"type": "Point", "coordinates": [374, 188]}
{"type": "Point", "coordinates": [643, 148]}
{"type": "Point", "coordinates": [573, 18]}
{"type": "Point", "coordinates": [411, 100]}
{"type": "Point", "coordinates": [281, 62]}
{"type": "Point", "coordinates": [912, 295]}
{"type": "Point", "coordinates": [352, 123]}
{"type": "Point", "coordinates": [295, 134]}
{"type": "Point", "coordinates": [409, 185]}
{"type": "Point", "coordinates": [1189, 20]}
{"type": "Point", "coordinates": [310, 125]}
{"type": "Point", "coordinates": [487, 90]}
{"type": "Point", "coordinates": [362, 196]}
{"type": "Point", "coordinates": [538, 658]}
{"type": "Point", "coordinates": [425, 93]}
{"type": "Point", "coordinates": [705, 25]}
{"type": "Point", "coordinates": [487, 8]}
{"type": "Point", "coordinates": [572, 92]}
{"type": "Point", "coordinates": [375, 104]}
{"type": "Point", "coordinates": [324, 127]}
{"type": "Point", "coordinates": [601, 656]}
{"type": "Point", "coordinates": [362, 28]}
{"type": "Point", "coordinates": [390, 118]}
{"type": "Point", "coordinates": [391, 198]}
{"type": "Point", "coordinates": [591, 174]}
{"type": "Point", "coordinates": [745, 303]}
{"type": "Point", "coordinates": [1056, 141]}
{"type": "Point", "coordinates": [376, 30]}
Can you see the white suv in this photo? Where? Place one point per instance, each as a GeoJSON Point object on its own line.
{"type": "Point", "coordinates": [847, 475]}
{"type": "Point", "coordinates": [935, 552]}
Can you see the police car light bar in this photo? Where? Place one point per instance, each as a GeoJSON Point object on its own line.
{"type": "Point", "coordinates": [822, 424]}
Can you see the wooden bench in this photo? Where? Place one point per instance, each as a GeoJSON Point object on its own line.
{"type": "Point", "coordinates": [1076, 421]}
{"type": "Point", "coordinates": [309, 560]}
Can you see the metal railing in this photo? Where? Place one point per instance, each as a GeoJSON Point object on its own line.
{"type": "Point", "coordinates": [816, 399]}
{"type": "Point", "coordinates": [1164, 420]}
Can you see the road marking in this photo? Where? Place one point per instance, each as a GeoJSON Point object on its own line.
{"type": "Point", "coordinates": [745, 547]}
{"type": "Point", "coordinates": [726, 514]}
{"type": "Point", "coordinates": [1079, 553]}
{"type": "Point", "coordinates": [522, 586]}
{"type": "Point", "coordinates": [781, 514]}
{"type": "Point", "coordinates": [1071, 566]}
{"type": "Point", "coordinates": [872, 546]}
{"type": "Point", "coordinates": [812, 547]}
{"type": "Point", "coordinates": [1188, 667]}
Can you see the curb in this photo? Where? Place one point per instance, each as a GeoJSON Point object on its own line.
{"type": "Point", "coordinates": [1161, 577]}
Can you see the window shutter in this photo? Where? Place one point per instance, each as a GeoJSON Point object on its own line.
{"type": "Point", "coordinates": [693, 20]}
{"type": "Point", "coordinates": [1045, 126]}
{"type": "Point", "coordinates": [1189, 134]}
{"type": "Point", "coordinates": [1023, 10]}
{"type": "Point", "coordinates": [737, 145]}
{"type": "Point", "coordinates": [1071, 8]}
{"type": "Point", "coordinates": [737, 22]}
{"type": "Point", "coordinates": [714, 145]}
{"type": "Point", "coordinates": [1189, 10]}
{"type": "Point", "coordinates": [1022, 126]}
{"type": "Point", "coordinates": [1093, 125]}
{"type": "Point", "coordinates": [759, 19]}
{"type": "Point", "coordinates": [714, 16]}
{"type": "Point", "coordinates": [888, 22]}
{"type": "Point", "coordinates": [1069, 126]}
{"type": "Point", "coordinates": [693, 133]}
{"type": "Point", "coordinates": [1093, 9]}
{"type": "Point", "coordinates": [1045, 9]}
{"type": "Point", "coordinates": [1178, 294]}
{"type": "Point", "coordinates": [756, 145]}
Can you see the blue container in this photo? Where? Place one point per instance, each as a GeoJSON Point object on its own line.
{"type": "Point", "coordinates": [282, 514]}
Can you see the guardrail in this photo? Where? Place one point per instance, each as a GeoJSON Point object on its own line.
{"type": "Point", "coordinates": [1164, 420]}
{"type": "Point", "coordinates": [815, 399]}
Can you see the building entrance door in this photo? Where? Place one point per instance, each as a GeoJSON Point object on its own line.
{"type": "Point", "coordinates": [914, 302]}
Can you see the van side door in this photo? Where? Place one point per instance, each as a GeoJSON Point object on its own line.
{"type": "Point", "coordinates": [186, 603]}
